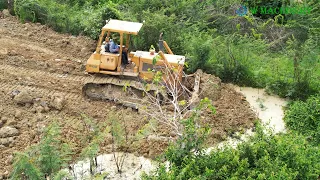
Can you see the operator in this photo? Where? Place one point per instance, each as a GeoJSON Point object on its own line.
{"type": "Point", "coordinates": [115, 48]}
{"type": "Point", "coordinates": [107, 44]}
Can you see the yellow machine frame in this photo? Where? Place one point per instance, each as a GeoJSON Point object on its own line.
{"type": "Point", "coordinates": [109, 63]}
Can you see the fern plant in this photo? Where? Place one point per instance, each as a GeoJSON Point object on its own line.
{"type": "Point", "coordinates": [44, 160]}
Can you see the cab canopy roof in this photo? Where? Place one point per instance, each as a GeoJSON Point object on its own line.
{"type": "Point", "coordinates": [126, 27]}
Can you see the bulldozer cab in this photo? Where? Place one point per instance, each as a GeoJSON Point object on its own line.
{"type": "Point", "coordinates": [102, 61]}
{"type": "Point", "coordinates": [105, 62]}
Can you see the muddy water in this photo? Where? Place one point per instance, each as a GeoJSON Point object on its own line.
{"type": "Point", "coordinates": [132, 167]}
{"type": "Point", "coordinates": [268, 108]}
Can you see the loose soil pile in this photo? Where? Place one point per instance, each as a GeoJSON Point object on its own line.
{"type": "Point", "coordinates": [41, 75]}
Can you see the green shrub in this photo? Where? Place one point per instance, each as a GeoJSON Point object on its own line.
{"type": "Point", "coordinates": [30, 10]}
{"type": "Point", "coordinates": [44, 159]}
{"type": "Point", "coordinates": [285, 156]}
{"type": "Point", "coordinates": [62, 17]}
{"type": "Point", "coordinates": [3, 4]}
{"type": "Point", "coordinates": [223, 56]}
{"type": "Point", "coordinates": [304, 117]}
{"type": "Point", "coordinates": [199, 52]}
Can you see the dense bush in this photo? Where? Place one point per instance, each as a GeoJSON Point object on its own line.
{"type": "Point", "coordinates": [3, 4]}
{"type": "Point", "coordinates": [62, 17]}
{"type": "Point", "coordinates": [285, 156]}
{"type": "Point", "coordinates": [31, 10]}
{"type": "Point", "coordinates": [304, 117]}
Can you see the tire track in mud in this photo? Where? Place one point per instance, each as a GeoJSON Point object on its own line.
{"type": "Point", "coordinates": [7, 88]}
{"type": "Point", "coordinates": [40, 73]}
{"type": "Point", "coordinates": [40, 89]}
{"type": "Point", "coordinates": [79, 79]}
{"type": "Point", "coordinates": [40, 77]}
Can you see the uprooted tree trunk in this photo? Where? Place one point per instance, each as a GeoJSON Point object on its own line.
{"type": "Point", "coordinates": [177, 101]}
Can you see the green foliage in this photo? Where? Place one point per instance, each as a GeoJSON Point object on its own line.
{"type": "Point", "coordinates": [199, 49]}
{"type": "Point", "coordinates": [304, 118]}
{"type": "Point", "coordinates": [93, 140]}
{"type": "Point", "coordinates": [45, 159]}
{"type": "Point", "coordinates": [3, 4]}
{"type": "Point", "coordinates": [225, 56]}
{"type": "Point", "coordinates": [193, 138]}
{"type": "Point", "coordinates": [264, 156]}
{"type": "Point", "coordinates": [77, 19]}
{"type": "Point", "coordinates": [24, 168]}
{"type": "Point", "coordinates": [62, 174]}
{"type": "Point", "coordinates": [30, 10]}
{"type": "Point", "coordinates": [53, 154]}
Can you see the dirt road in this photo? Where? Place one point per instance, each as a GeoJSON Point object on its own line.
{"type": "Point", "coordinates": [49, 68]}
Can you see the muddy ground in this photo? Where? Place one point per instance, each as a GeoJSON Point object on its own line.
{"type": "Point", "coordinates": [46, 70]}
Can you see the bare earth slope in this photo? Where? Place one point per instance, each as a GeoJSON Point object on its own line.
{"type": "Point", "coordinates": [47, 68]}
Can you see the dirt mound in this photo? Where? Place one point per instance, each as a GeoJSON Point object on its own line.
{"type": "Point", "coordinates": [210, 87]}
{"type": "Point", "coordinates": [233, 114]}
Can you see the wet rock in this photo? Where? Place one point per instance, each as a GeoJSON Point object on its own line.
{"type": "Point", "coordinates": [58, 102]}
{"type": "Point", "coordinates": [23, 97]}
{"type": "Point", "coordinates": [8, 132]}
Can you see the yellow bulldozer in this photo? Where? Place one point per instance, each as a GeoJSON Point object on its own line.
{"type": "Point", "coordinates": [111, 78]}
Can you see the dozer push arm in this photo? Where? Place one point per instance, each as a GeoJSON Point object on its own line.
{"type": "Point", "coordinates": [167, 47]}
{"type": "Point", "coordinates": [98, 49]}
